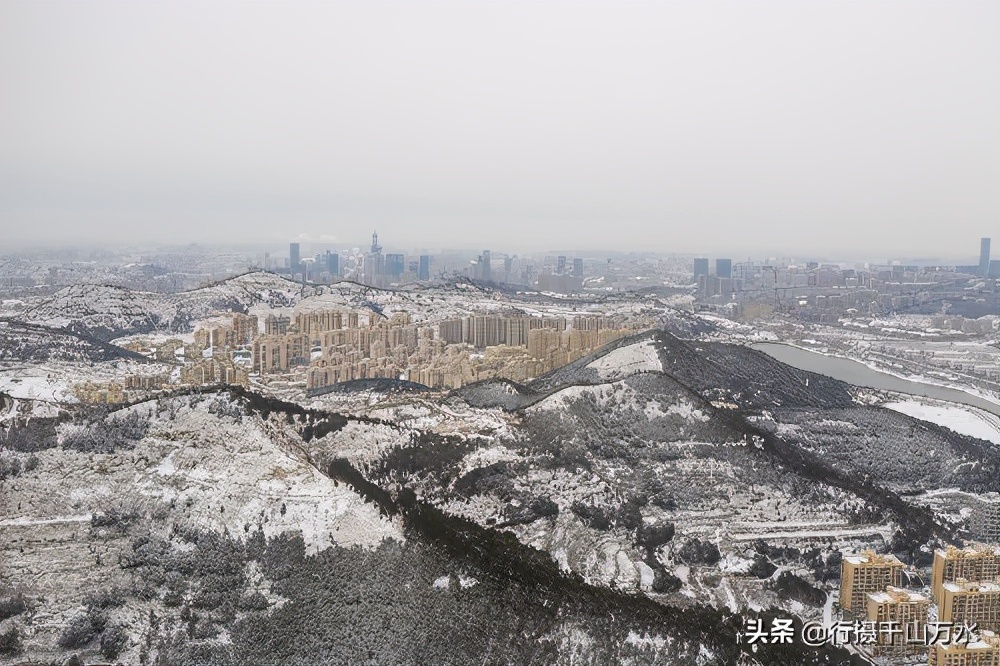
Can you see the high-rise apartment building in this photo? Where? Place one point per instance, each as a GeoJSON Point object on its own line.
{"type": "Point", "coordinates": [724, 268]}
{"type": "Point", "coordinates": [866, 573]}
{"type": "Point", "coordinates": [424, 270]}
{"type": "Point", "coordinates": [276, 325]}
{"type": "Point", "coordinates": [984, 652]}
{"type": "Point", "coordinates": [578, 267]}
{"type": "Point", "coordinates": [970, 603]}
{"type": "Point", "coordinates": [967, 564]}
{"type": "Point", "coordinates": [984, 257]}
{"type": "Point", "coordinates": [560, 265]}
{"type": "Point", "coordinates": [294, 259]}
{"type": "Point", "coordinates": [908, 610]}
{"type": "Point", "coordinates": [276, 354]}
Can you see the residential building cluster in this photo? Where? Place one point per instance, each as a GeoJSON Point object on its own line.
{"type": "Point", "coordinates": [214, 371]}
{"type": "Point", "coordinates": [341, 346]}
{"type": "Point", "coordinates": [331, 346]}
{"type": "Point", "coordinates": [965, 586]}
{"type": "Point", "coordinates": [826, 291]}
{"type": "Point", "coordinates": [114, 392]}
{"type": "Point", "coordinates": [99, 393]}
{"type": "Point", "coordinates": [965, 591]}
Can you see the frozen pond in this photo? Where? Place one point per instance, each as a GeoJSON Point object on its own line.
{"type": "Point", "coordinates": [859, 374]}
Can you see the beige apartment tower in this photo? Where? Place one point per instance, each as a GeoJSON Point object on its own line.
{"type": "Point", "coordinates": [906, 609]}
{"type": "Point", "coordinates": [978, 564]}
{"type": "Point", "coordinates": [866, 573]}
{"type": "Point", "coordinates": [970, 603]}
{"type": "Point", "coordinates": [984, 652]}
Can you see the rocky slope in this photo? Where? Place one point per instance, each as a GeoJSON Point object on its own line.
{"type": "Point", "coordinates": [225, 528]}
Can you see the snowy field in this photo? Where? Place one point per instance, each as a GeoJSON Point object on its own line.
{"type": "Point", "coordinates": [960, 418]}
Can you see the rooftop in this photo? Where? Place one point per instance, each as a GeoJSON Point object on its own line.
{"type": "Point", "coordinates": [969, 552]}
{"type": "Point", "coordinates": [869, 557]}
{"type": "Point", "coordinates": [896, 595]}
{"type": "Point", "coordinates": [969, 586]}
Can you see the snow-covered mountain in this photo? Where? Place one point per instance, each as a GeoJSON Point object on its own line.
{"type": "Point", "coordinates": [224, 527]}
{"type": "Point", "coordinates": [112, 311]}
{"type": "Point", "coordinates": [108, 311]}
{"type": "Point", "coordinates": [676, 486]}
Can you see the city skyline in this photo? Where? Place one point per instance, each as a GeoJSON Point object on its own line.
{"type": "Point", "coordinates": [969, 255]}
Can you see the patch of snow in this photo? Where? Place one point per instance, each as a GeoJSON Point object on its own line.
{"type": "Point", "coordinates": [628, 360]}
{"type": "Point", "coordinates": [646, 576]}
{"type": "Point", "coordinates": [962, 419]}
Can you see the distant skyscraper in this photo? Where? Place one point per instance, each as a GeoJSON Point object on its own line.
{"type": "Point", "coordinates": [724, 268]}
{"type": "Point", "coordinates": [700, 267]}
{"type": "Point", "coordinates": [424, 272]}
{"type": "Point", "coordinates": [332, 263]}
{"type": "Point", "coordinates": [984, 257]}
{"type": "Point", "coordinates": [294, 259]}
{"type": "Point", "coordinates": [484, 266]}
{"type": "Point", "coordinates": [578, 267]}
{"type": "Point", "coordinates": [560, 265]}
{"type": "Point", "coordinates": [375, 264]}
{"type": "Point", "coordinates": [394, 266]}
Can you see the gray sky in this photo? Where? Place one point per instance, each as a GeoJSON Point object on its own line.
{"type": "Point", "coordinates": [744, 127]}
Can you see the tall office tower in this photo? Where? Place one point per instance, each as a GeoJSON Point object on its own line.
{"type": "Point", "coordinates": [424, 272]}
{"type": "Point", "coordinates": [984, 256]}
{"type": "Point", "coordinates": [578, 267]}
{"type": "Point", "coordinates": [394, 266]}
{"type": "Point", "coordinates": [332, 263]}
{"type": "Point", "coordinates": [953, 564]}
{"type": "Point", "coordinates": [967, 602]}
{"type": "Point", "coordinates": [866, 573]}
{"type": "Point", "coordinates": [484, 266]}
{"type": "Point", "coordinates": [508, 265]}
{"type": "Point", "coordinates": [294, 259]}
{"type": "Point", "coordinates": [560, 265]}
{"type": "Point", "coordinates": [724, 268]}
{"type": "Point", "coordinates": [984, 652]}
{"type": "Point", "coordinates": [700, 267]}
{"type": "Point", "coordinates": [374, 264]}
{"type": "Point", "coordinates": [908, 610]}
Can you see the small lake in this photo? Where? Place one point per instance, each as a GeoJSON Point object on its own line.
{"type": "Point", "coordinates": [859, 374]}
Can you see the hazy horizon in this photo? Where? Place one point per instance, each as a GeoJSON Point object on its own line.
{"type": "Point", "coordinates": [279, 250]}
{"type": "Point", "coordinates": [859, 129]}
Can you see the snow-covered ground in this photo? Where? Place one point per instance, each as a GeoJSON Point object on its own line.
{"type": "Point", "coordinates": [628, 360]}
{"type": "Point", "coordinates": [215, 473]}
{"type": "Point", "coordinates": [962, 419]}
{"type": "Point", "coordinates": [36, 386]}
